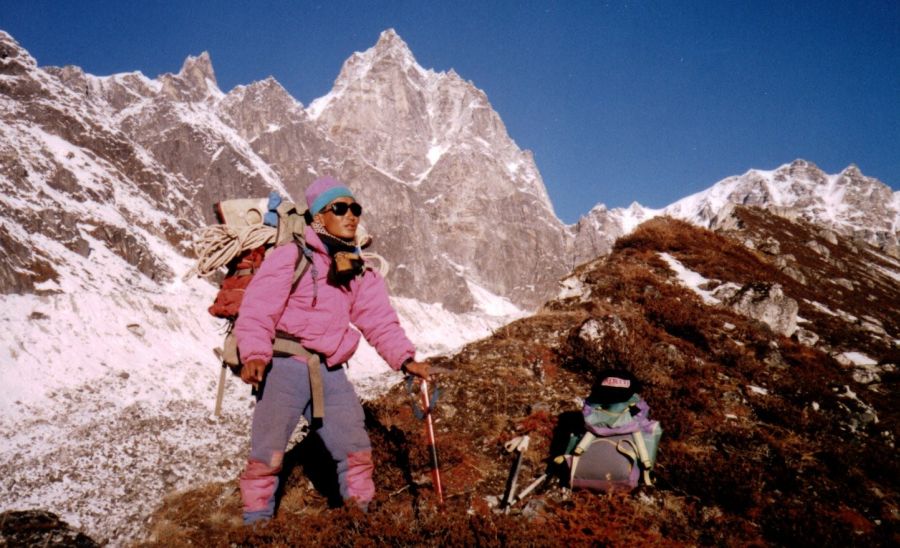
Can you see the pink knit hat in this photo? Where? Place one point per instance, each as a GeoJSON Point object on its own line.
{"type": "Point", "coordinates": [323, 191]}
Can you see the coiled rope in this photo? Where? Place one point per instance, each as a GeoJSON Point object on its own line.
{"type": "Point", "coordinates": [383, 265]}
{"type": "Point", "coordinates": [217, 245]}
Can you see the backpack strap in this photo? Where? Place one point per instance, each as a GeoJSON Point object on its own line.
{"type": "Point", "coordinates": [291, 223]}
{"type": "Point", "coordinates": [630, 449]}
{"type": "Point", "coordinates": [304, 263]}
{"type": "Point", "coordinates": [291, 228]}
{"type": "Point", "coordinates": [646, 463]}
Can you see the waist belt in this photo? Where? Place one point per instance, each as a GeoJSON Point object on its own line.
{"type": "Point", "coordinates": [286, 344]}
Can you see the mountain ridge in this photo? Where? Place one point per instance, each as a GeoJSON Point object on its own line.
{"type": "Point", "coordinates": [105, 179]}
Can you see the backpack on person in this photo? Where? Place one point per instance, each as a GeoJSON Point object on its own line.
{"type": "Point", "coordinates": [249, 228]}
{"type": "Point", "coordinates": [618, 448]}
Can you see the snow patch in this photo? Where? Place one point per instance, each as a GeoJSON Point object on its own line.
{"type": "Point", "coordinates": [435, 153]}
{"type": "Point", "coordinates": [855, 358]}
{"type": "Point", "coordinates": [692, 280]}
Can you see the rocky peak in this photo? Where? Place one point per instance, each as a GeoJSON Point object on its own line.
{"type": "Point", "coordinates": [13, 59]}
{"type": "Point", "coordinates": [853, 178]}
{"type": "Point", "coordinates": [72, 77]}
{"type": "Point", "coordinates": [800, 169]}
{"type": "Point", "coordinates": [595, 233]}
{"type": "Point", "coordinates": [196, 81]}
{"type": "Point", "coordinates": [389, 56]}
{"type": "Point", "coordinates": [390, 47]}
{"type": "Point", "coordinates": [637, 208]}
{"type": "Point", "coordinates": [852, 171]}
{"type": "Point", "coordinates": [198, 69]}
{"type": "Point", "coordinates": [267, 92]}
{"type": "Point", "coordinates": [260, 107]}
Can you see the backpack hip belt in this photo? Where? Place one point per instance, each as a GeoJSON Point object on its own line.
{"type": "Point", "coordinates": [286, 344]}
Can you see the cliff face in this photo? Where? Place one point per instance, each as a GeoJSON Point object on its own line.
{"type": "Point", "coordinates": [104, 180]}
{"type": "Point", "coordinates": [425, 152]}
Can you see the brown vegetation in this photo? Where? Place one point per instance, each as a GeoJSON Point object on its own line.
{"type": "Point", "coordinates": [763, 443]}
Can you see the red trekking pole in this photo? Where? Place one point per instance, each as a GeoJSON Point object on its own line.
{"type": "Point", "coordinates": [429, 431]}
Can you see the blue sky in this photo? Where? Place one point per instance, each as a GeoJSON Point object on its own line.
{"type": "Point", "coordinates": [619, 101]}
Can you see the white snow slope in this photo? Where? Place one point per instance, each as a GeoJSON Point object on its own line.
{"type": "Point", "coordinates": [108, 398]}
{"type": "Point", "coordinates": [109, 377]}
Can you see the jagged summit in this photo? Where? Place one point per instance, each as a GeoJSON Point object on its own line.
{"type": "Point", "coordinates": [390, 48]}
{"type": "Point", "coordinates": [195, 82]}
{"type": "Point", "coordinates": [848, 201]}
{"type": "Point", "coordinates": [390, 54]}
{"type": "Point", "coordinates": [198, 69]}
{"type": "Point", "coordinates": [852, 170]}
{"type": "Point", "coordinates": [391, 44]}
{"type": "Point", "coordinates": [268, 89]}
{"type": "Point", "coordinates": [10, 46]}
{"type": "Point", "coordinates": [104, 179]}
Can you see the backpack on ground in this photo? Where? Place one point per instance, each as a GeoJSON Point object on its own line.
{"type": "Point", "coordinates": [618, 448]}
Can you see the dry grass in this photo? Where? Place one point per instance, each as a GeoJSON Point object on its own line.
{"type": "Point", "coordinates": [736, 467]}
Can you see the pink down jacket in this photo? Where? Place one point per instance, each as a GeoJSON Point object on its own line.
{"type": "Point", "coordinates": [269, 305]}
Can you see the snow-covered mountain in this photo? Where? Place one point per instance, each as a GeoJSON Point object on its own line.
{"type": "Point", "coordinates": [847, 202]}
{"type": "Point", "coordinates": [105, 350]}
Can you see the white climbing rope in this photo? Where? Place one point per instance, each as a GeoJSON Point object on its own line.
{"type": "Point", "coordinates": [216, 245]}
{"type": "Point", "coordinates": [383, 265]}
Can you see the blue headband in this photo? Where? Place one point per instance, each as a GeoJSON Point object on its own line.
{"type": "Point", "coordinates": [326, 198]}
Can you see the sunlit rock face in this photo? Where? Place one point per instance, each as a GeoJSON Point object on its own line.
{"type": "Point", "coordinates": [435, 160]}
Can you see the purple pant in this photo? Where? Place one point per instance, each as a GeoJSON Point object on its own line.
{"type": "Point", "coordinates": [285, 397]}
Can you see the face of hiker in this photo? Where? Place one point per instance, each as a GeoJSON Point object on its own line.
{"type": "Point", "coordinates": [341, 217]}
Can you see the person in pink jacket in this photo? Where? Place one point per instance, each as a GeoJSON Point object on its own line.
{"type": "Point", "coordinates": [318, 312]}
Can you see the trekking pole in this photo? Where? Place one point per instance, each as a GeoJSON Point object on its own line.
{"type": "Point", "coordinates": [429, 431]}
{"type": "Point", "coordinates": [517, 445]}
{"type": "Point", "coordinates": [531, 487]}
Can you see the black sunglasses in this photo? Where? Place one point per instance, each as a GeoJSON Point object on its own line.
{"type": "Point", "coordinates": [340, 208]}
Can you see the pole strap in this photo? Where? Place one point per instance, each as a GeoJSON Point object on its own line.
{"type": "Point", "coordinates": [422, 412]}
